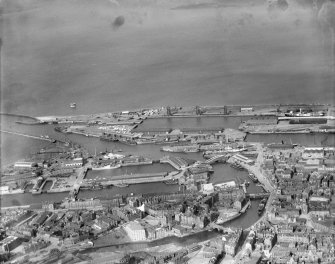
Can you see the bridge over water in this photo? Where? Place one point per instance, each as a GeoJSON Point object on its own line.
{"type": "Point", "coordinates": [216, 159]}
{"type": "Point", "coordinates": [176, 162]}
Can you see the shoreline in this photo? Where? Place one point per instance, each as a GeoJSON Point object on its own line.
{"type": "Point", "coordinates": [51, 118]}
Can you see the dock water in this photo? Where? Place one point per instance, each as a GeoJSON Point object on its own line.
{"type": "Point", "coordinates": [222, 172]}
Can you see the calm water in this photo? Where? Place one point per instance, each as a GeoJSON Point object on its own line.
{"type": "Point", "coordinates": [156, 167]}
{"type": "Point", "coordinates": [67, 51]}
{"type": "Point", "coordinates": [222, 173]}
{"type": "Point", "coordinates": [192, 122]}
{"type": "Point", "coordinates": [316, 139]}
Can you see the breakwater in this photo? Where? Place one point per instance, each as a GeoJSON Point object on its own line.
{"type": "Point", "coordinates": [26, 135]}
{"type": "Point", "coordinates": [20, 116]}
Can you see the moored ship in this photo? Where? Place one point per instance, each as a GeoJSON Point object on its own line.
{"type": "Point", "coordinates": [107, 167]}
{"type": "Point", "coordinates": [145, 141]}
{"type": "Point", "coordinates": [121, 185]}
{"type": "Point", "coordinates": [185, 148]}
{"type": "Point", "coordinates": [135, 161]}
{"type": "Point", "coordinates": [237, 166]}
{"type": "Point", "coordinates": [281, 145]}
{"type": "Point", "coordinates": [170, 182]}
{"type": "Point", "coordinates": [226, 150]}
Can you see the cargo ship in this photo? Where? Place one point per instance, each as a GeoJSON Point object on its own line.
{"type": "Point", "coordinates": [185, 148]}
{"type": "Point", "coordinates": [107, 167]}
{"type": "Point", "coordinates": [215, 146]}
{"type": "Point", "coordinates": [128, 142]}
{"type": "Point", "coordinates": [108, 138]}
{"type": "Point", "coordinates": [135, 161]}
{"type": "Point", "coordinates": [113, 138]}
{"type": "Point", "coordinates": [145, 141]}
{"type": "Point", "coordinates": [121, 185]}
{"type": "Point", "coordinates": [226, 150]}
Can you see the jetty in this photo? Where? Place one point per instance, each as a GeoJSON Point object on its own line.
{"type": "Point", "coordinates": [129, 179]}
{"type": "Point", "coordinates": [26, 135]}
{"type": "Point", "coordinates": [245, 207]}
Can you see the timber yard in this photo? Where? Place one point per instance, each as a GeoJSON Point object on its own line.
{"type": "Point", "coordinates": [289, 186]}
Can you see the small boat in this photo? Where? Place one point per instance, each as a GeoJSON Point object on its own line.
{"type": "Point", "coordinates": [73, 105]}
{"type": "Point", "coordinates": [261, 208]}
{"type": "Point", "coordinates": [107, 167]}
{"type": "Point", "coordinates": [97, 187]}
{"type": "Point", "coordinates": [172, 181]}
{"type": "Point", "coordinates": [121, 185]}
{"type": "Point", "coordinates": [253, 177]}
{"type": "Point", "coordinates": [264, 200]}
{"type": "Point", "coordinates": [237, 166]}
